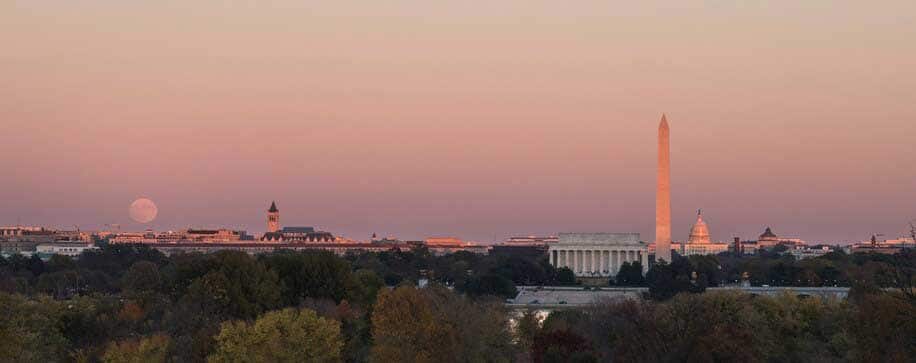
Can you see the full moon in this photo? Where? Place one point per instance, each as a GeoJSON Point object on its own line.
{"type": "Point", "coordinates": [143, 210]}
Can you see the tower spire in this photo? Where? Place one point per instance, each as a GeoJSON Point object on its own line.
{"type": "Point", "coordinates": [273, 218]}
{"type": "Point", "coordinates": [663, 195]}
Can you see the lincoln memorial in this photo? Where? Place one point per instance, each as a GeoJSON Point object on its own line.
{"type": "Point", "coordinates": [598, 254]}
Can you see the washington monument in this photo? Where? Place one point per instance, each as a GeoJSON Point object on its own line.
{"type": "Point", "coordinates": [663, 196]}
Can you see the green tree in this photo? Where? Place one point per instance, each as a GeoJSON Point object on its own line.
{"type": "Point", "coordinates": [238, 287]}
{"type": "Point", "coordinates": [60, 284]}
{"type": "Point", "coordinates": [141, 277]}
{"type": "Point", "coordinates": [626, 330]}
{"type": "Point", "coordinates": [805, 329]}
{"type": "Point", "coordinates": [366, 287]}
{"type": "Point", "coordinates": [558, 346]}
{"type": "Point", "coordinates": [527, 326]}
{"type": "Point", "coordinates": [147, 349]}
{"type": "Point", "coordinates": [479, 328]}
{"type": "Point", "coordinates": [715, 327]}
{"type": "Point", "coordinates": [182, 269]}
{"type": "Point", "coordinates": [436, 325]}
{"type": "Point", "coordinates": [87, 324]}
{"type": "Point", "coordinates": [60, 263]}
{"type": "Point", "coordinates": [884, 328]}
{"type": "Point", "coordinates": [491, 284]}
{"type": "Point", "coordinates": [36, 266]}
{"type": "Point", "coordinates": [630, 274]}
{"type": "Point", "coordinates": [452, 269]}
{"type": "Point", "coordinates": [29, 331]}
{"type": "Point", "coordinates": [142, 282]}
{"type": "Point", "coordinates": [233, 286]}
{"type": "Point", "coordinates": [565, 276]}
{"type": "Point", "coordinates": [571, 319]}
{"type": "Point", "coordinates": [520, 270]}
{"type": "Point", "coordinates": [288, 335]}
{"type": "Point", "coordinates": [405, 328]}
{"type": "Point", "coordinates": [115, 259]}
{"type": "Point", "coordinates": [311, 274]}
{"type": "Point", "coordinates": [665, 281]}
{"type": "Point", "coordinates": [707, 268]}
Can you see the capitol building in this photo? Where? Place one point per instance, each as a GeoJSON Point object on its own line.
{"type": "Point", "coordinates": [699, 241]}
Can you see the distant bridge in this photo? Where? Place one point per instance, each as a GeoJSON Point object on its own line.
{"type": "Point", "coordinates": [559, 297]}
{"type": "Point", "coordinates": [824, 292]}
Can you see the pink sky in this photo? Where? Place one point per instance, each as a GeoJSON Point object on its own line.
{"type": "Point", "coordinates": [462, 118]}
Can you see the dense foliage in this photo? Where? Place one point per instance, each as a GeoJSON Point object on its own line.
{"type": "Point", "coordinates": [132, 304]}
{"type": "Point", "coordinates": [288, 335]}
{"type": "Point", "coordinates": [836, 269]}
{"type": "Point", "coordinates": [435, 325]}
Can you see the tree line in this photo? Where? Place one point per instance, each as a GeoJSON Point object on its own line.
{"type": "Point", "coordinates": [727, 326]}
{"type": "Point", "coordinates": [132, 304]}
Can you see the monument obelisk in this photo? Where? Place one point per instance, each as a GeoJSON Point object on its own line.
{"type": "Point", "coordinates": [663, 196]}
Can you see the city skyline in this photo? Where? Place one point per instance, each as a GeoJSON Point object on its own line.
{"type": "Point", "coordinates": [143, 211]}
{"type": "Point", "coordinates": [457, 181]}
{"type": "Point", "coordinates": [456, 120]}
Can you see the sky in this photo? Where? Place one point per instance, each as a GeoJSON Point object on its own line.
{"type": "Point", "coordinates": [473, 119]}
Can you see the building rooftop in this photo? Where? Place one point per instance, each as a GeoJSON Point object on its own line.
{"type": "Point", "coordinates": [297, 230]}
{"type": "Point", "coordinates": [599, 238]}
{"type": "Point", "coordinates": [208, 231]}
{"type": "Point", "coordinates": [440, 241]}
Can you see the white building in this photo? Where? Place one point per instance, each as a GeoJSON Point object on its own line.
{"type": "Point", "coordinates": [72, 249]}
{"type": "Point", "coordinates": [711, 248]}
{"type": "Point", "coordinates": [598, 254]}
{"type": "Point", "coordinates": [802, 252]}
{"type": "Point", "coordinates": [531, 240]}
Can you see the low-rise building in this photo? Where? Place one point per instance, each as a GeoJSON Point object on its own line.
{"type": "Point", "coordinates": [531, 241]}
{"type": "Point", "coordinates": [25, 248]}
{"type": "Point", "coordinates": [803, 252]}
{"type": "Point", "coordinates": [444, 245]}
{"type": "Point", "coordinates": [221, 235]}
{"type": "Point", "coordinates": [6, 232]}
{"type": "Point", "coordinates": [889, 246]}
{"type": "Point", "coordinates": [213, 235]}
{"type": "Point", "coordinates": [257, 247]}
{"type": "Point", "coordinates": [41, 234]}
{"type": "Point", "coordinates": [298, 234]}
{"type": "Point", "coordinates": [24, 240]}
{"type": "Point", "coordinates": [72, 249]}
{"type": "Point", "coordinates": [710, 248]}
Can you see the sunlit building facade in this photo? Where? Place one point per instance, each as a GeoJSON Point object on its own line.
{"type": "Point", "coordinates": [598, 254]}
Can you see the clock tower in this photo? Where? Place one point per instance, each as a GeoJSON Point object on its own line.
{"type": "Point", "coordinates": [273, 218]}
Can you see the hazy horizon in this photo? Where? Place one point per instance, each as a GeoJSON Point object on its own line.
{"type": "Point", "coordinates": [459, 119]}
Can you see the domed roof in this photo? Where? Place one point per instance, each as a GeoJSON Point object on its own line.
{"type": "Point", "coordinates": [768, 234]}
{"type": "Point", "coordinates": [700, 231]}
